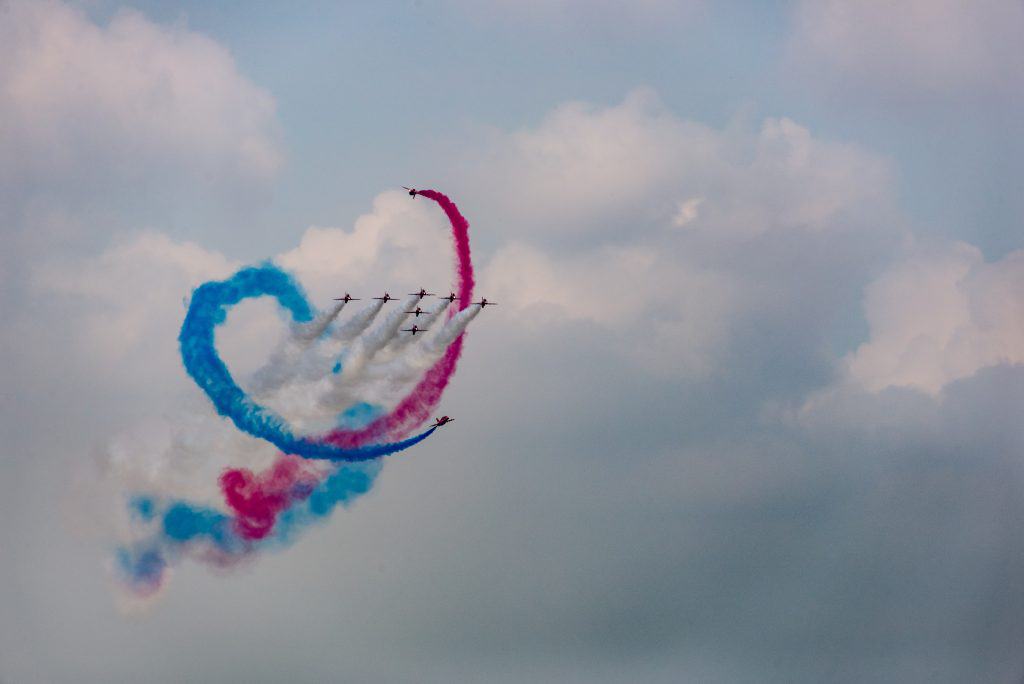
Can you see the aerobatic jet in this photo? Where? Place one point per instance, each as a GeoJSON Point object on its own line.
{"type": "Point", "coordinates": [412, 192]}
{"type": "Point", "coordinates": [417, 312]}
{"type": "Point", "coordinates": [422, 293]}
{"type": "Point", "coordinates": [484, 303]}
{"type": "Point", "coordinates": [347, 298]}
{"type": "Point", "coordinates": [386, 298]}
{"type": "Point", "coordinates": [443, 420]}
{"type": "Point", "coordinates": [451, 298]}
{"type": "Point", "coordinates": [414, 329]}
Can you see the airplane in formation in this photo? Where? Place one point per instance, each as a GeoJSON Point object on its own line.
{"type": "Point", "coordinates": [422, 293]}
{"type": "Point", "coordinates": [412, 192]}
{"type": "Point", "coordinates": [414, 329]}
{"type": "Point", "coordinates": [443, 420]}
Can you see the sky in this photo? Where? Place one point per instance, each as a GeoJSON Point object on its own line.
{"type": "Point", "coordinates": [748, 410]}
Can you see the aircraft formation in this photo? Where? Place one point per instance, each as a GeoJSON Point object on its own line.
{"type": "Point", "coordinates": [387, 297]}
{"type": "Point", "coordinates": [415, 329]}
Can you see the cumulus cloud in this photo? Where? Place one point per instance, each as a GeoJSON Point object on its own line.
{"type": "Point", "coordinates": [668, 233]}
{"type": "Point", "coordinates": [913, 48]}
{"type": "Point", "coordinates": [585, 166]}
{"type": "Point", "coordinates": [680, 312]}
{"type": "Point", "coordinates": [127, 303]}
{"type": "Point", "coordinates": [941, 315]}
{"type": "Point", "coordinates": [128, 99]}
{"type": "Point", "coordinates": [399, 244]}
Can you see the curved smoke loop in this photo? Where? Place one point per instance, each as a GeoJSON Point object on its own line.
{"type": "Point", "coordinates": [319, 399]}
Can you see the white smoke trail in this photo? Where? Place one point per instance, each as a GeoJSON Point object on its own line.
{"type": "Point", "coordinates": [362, 351]}
{"type": "Point", "coordinates": [387, 380]}
{"type": "Point", "coordinates": [307, 333]}
{"type": "Point", "coordinates": [402, 341]}
{"type": "Point", "coordinates": [358, 323]}
{"type": "Point", "coordinates": [181, 456]}
{"type": "Point", "coordinates": [283, 363]}
{"type": "Point", "coordinates": [426, 352]}
{"type": "Point", "coordinates": [292, 359]}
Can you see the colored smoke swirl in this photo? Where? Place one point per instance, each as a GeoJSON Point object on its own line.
{"type": "Point", "coordinates": [313, 474]}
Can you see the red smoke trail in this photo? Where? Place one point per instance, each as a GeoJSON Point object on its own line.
{"type": "Point", "coordinates": [257, 499]}
{"type": "Point", "coordinates": [417, 406]}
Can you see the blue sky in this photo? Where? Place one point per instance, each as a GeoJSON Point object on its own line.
{"type": "Point", "coordinates": [368, 81]}
{"type": "Point", "coordinates": [748, 410]}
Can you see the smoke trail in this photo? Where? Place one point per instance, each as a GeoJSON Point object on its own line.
{"type": "Point", "coordinates": [402, 341]}
{"type": "Point", "coordinates": [269, 510]}
{"type": "Point", "coordinates": [257, 499]}
{"type": "Point", "coordinates": [360, 322]}
{"type": "Point", "coordinates": [305, 362]}
{"type": "Point", "coordinates": [452, 330]}
{"type": "Point", "coordinates": [418, 404]}
{"type": "Point", "coordinates": [208, 309]}
{"type": "Point", "coordinates": [283, 364]}
{"type": "Point", "coordinates": [368, 345]}
{"type": "Point", "coordinates": [306, 333]}
{"type": "Point", "coordinates": [404, 368]}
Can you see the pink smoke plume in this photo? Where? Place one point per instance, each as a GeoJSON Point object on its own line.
{"type": "Point", "coordinates": [417, 406]}
{"type": "Point", "coordinates": [257, 499]}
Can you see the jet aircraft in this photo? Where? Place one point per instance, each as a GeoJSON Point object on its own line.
{"type": "Point", "coordinates": [386, 298]}
{"type": "Point", "coordinates": [484, 303]}
{"type": "Point", "coordinates": [443, 420]}
{"type": "Point", "coordinates": [347, 298]}
{"type": "Point", "coordinates": [417, 312]}
{"type": "Point", "coordinates": [414, 329]}
{"type": "Point", "coordinates": [412, 192]}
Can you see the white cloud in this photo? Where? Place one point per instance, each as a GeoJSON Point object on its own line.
{"type": "Point", "coordinates": [669, 316]}
{"type": "Point", "coordinates": [87, 102]}
{"type": "Point", "coordinates": [580, 286]}
{"type": "Point", "coordinates": [914, 47]}
{"type": "Point", "coordinates": [128, 303]}
{"type": "Point", "coordinates": [585, 166]}
{"type": "Point", "coordinates": [941, 315]}
{"type": "Point", "coordinates": [400, 244]}
{"type": "Point", "coordinates": [608, 190]}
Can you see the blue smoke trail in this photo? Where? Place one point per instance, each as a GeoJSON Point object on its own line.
{"type": "Point", "coordinates": [208, 309]}
{"type": "Point", "coordinates": [179, 527]}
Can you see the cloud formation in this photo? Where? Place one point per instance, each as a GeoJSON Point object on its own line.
{"type": "Point", "coordinates": [585, 167]}
{"type": "Point", "coordinates": [670, 235]}
{"type": "Point", "coordinates": [126, 97]}
{"type": "Point", "coordinates": [941, 315]}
